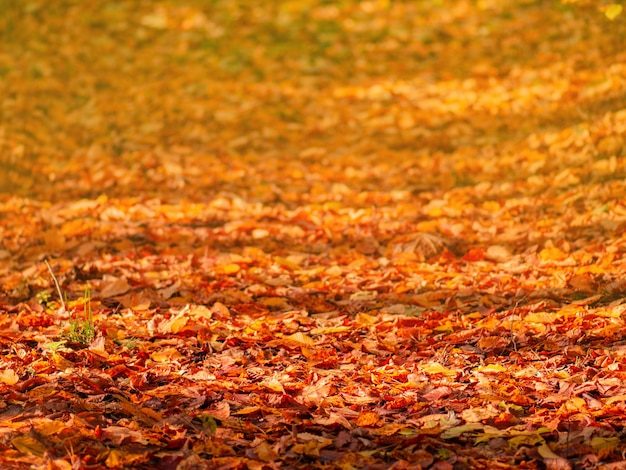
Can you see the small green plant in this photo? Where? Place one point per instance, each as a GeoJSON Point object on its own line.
{"type": "Point", "coordinates": [43, 297]}
{"type": "Point", "coordinates": [82, 330]}
{"type": "Point", "coordinates": [209, 424]}
{"type": "Point", "coordinates": [130, 343]}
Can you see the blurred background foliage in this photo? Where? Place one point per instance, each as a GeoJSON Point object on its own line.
{"type": "Point", "coordinates": [92, 85]}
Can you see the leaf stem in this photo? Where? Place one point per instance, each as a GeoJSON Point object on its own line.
{"type": "Point", "coordinates": [56, 283]}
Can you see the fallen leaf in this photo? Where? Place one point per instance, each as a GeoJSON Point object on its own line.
{"type": "Point", "coordinates": [368, 419]}
{"type": "Point", "coordinates": [9, 377]}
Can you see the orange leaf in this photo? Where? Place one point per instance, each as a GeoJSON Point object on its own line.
{"type": "Point", "coordinates": [552, 254]}
{"type": "Point", "coordinates": [229, 268]}
{"type": "Point", "coordinates": [165, 355]}
{"type": "Point", "coordinates": [367, 419]}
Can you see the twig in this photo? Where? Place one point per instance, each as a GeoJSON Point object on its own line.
{"type": "Point", "coordinates": [56, 283]}
{"type": "Point", "coordinates": [511, 323]}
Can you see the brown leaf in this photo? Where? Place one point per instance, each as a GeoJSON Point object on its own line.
{"type": "Point", "coordinates": [314, 394]}
{"type": "Point", "coordinates": [113, 286]}
{"type": "Point", "coordinates": [437, 393]}
{"type": "Point", "coordinates": [423, 245]}
{"type": "Point", "coordinates": [583, 283]}
{"type": "Point", "coordinates": [493, 343]}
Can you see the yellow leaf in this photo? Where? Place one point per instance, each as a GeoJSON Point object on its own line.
{"type": "Point", "coordinates": [539, 317]}
{"type": "Point", "coordinates": [491, 206]}
{"type": "Point", "coordinates": [391, 429]}
{"type": "Point", "coordinates": [9, 377]}
{"type": "Point", "coordinates": [174, 324]}
{"type": "Point", "coordinates": [248, 410]}
{"type": "Point", "coordinates": [61, 362]}
{"type": "Point", "coordinates": [229, 268]}
{"type": "Point", "coordinates": [200, 311]}
{"type": "Point", "coordinates": [615, 398]}
{"type": "Point", "coordinates": [444, 329]}
{"type": "Point", "coordinates": [552, 254]}
{"type": "Point", "coordinates": [48, 427]}
{"type": "Point", "coordinates": [287, 263]}
{"type": "Point", "coordinates": [277, 302]}
{"type": "Point", "coordinates": [311, 449]}
{"type": "Point", "coordinates": [546, 452]}
{"type": "Point", "coordinates": [491, 369]}
{"type": "Point", "coordinates": [29, 445]}
{"type": "Point", "coordinates": [575, 404]}
{"type": "Point", "coordinates": [604, 445]}
{"type": "Point", "coordinates": [458, 430]}
{"type": "Point", "coordinates": [613, 10]}
{"type": "Point", "coordinates": [365, 319]}
{"type": "Point", "coordinates": [436, 368]}
{"type": "Point", "coordinates": [274, 385]}
{"type": "Point", "coordinates": [265, 452]}
{"type": "Point", "coordinates": [525, 440]}
{"type": "Point", "coordinates": [157, 20]}
{"type": "Point", "coordinates": [301, 338]}
{"type": "Point", "coordinates": [122, 458]}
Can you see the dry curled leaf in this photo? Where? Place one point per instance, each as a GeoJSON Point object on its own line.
{"type": "Point", "coordinates": [423, 245]}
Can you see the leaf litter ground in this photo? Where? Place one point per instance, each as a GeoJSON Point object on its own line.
{"type": "Point", "coordinates": [352, 235]}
